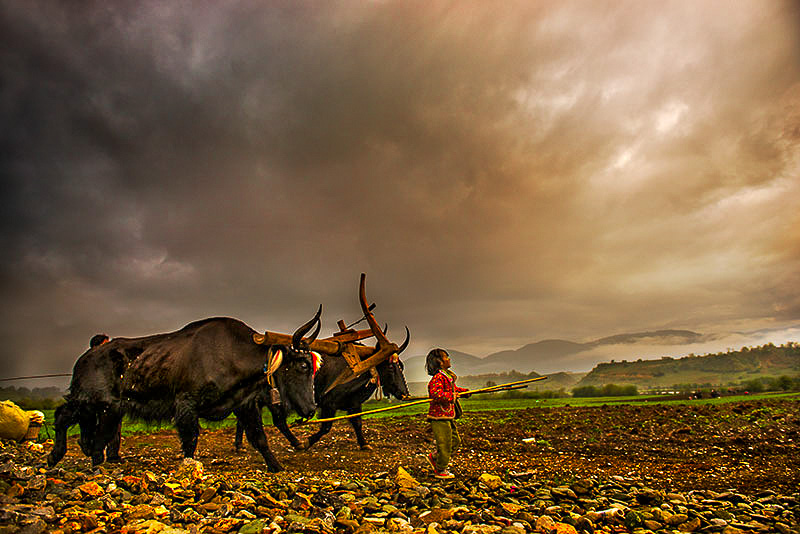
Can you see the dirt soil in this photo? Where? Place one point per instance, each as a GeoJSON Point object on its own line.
{"type": "Point", "coordinates": [746, 447]}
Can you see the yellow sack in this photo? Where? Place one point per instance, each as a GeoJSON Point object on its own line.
{"type": "Point", "coordinates": [13, 421]}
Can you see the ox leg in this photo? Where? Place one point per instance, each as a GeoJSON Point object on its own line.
{"type": "Point", "coordinates": [112, 449]}
{"type": "Point", "coordinates": [324, 413]}
{"type": "Point", "coordinates": [250, 417]}
{"type": "Point", "coordinates": [237, 441]}
{"type": "Point", "coordinates": [65, 417]}
{"type": "Point", "coordinates": [108, 425]}
{"type": "Point", "coordinates": [355, 422]}
{"type": "Point", "coordinates": [87, 420]}
{"type": "Point", "coordinates": [188, 425]}
{"type": "Point", "coordinates": [279, 420]}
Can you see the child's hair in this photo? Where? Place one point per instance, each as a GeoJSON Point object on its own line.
{"type": "Point", "coordinates": [433, 362]}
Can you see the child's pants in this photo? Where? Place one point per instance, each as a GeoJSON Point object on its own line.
{"type": "Point", "coordinates": [447, 441]}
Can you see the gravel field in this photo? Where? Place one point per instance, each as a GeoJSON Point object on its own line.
{"type": "Point", "coordinates": [644, 468]}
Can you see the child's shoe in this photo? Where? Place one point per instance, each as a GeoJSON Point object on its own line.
{"type": "Point", "coordinates": [444, 474]}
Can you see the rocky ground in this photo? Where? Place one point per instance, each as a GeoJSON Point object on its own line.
{"type": "Point", "coordinates": [647, 468]}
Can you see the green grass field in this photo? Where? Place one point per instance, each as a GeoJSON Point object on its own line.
{"type": "Point", "coordinates": [478, 404]}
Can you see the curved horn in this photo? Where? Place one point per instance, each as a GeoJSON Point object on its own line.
{"type": "Point", "coordinates": [300, 332]}
{"type": "Point", "coordinates": [373, 324]}
{"type": "Point", "coordinates": [405, 343]}
{"type": "Point", "coordinates": [385, 328]}
{"type": "Point", "coordinates": [310, 339]}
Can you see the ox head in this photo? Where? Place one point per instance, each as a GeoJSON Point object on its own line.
{"type": "Point", "coordinates": [292, 369]}
{"type": "Point", "coordinates": [393, 381]}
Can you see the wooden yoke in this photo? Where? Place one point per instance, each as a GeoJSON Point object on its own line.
{"type": "Point", "coordinates": [359, 358]}
{"type": "Point", "coordinates": [329, 346]}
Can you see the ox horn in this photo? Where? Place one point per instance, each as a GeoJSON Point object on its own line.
{"type": "Point", "coordinates": [373, 324]}
{"type": "Point", "coordinates": [310, 339]}
{"type": "Point", "coordinates": [405, 343]}
{"type": "Point", "coordinates": [297, 337]}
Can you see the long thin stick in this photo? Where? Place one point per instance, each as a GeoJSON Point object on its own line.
{"type": "Point", "coordinates": [35, 376]}
{"type": "Point", "coordinates": [489, 389]}
{"type": "Point", "coordinates": [423, 401]}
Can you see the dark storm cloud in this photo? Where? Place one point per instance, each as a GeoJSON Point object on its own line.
{"type": "Point", "coordinates": [502, 174]}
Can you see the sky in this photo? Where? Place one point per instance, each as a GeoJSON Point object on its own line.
{"type": "Point", "coordinates": [503, 173]}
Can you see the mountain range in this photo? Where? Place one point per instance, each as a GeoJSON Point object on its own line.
{"type": "Point", "coordinates": [555, 355]}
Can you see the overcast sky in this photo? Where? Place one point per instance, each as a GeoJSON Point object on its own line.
{"type": "Point", "coordinates": [503, 172]}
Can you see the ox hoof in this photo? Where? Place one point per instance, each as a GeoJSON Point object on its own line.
{"type": "Point", "coordinates": [114, 459]}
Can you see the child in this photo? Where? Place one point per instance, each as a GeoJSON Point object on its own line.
{"type": "Point", "coordinates": [443, 411]}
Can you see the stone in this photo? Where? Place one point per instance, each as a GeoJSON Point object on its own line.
{"type": "Point", "coordinates": [491, 481]}
{"type": "Point", "coordinates": [348, 525]}
{"type": "Point", "coordinates": [691, 525]}
{"type": "Point", "coordinates": [405, 480]}
{"type": "Point", "coordinates": [435, 515]}
{"type": "Point", "coordinates": [141, 511]}
{"type": "Point", "coordinates": [36, 483]}
{"type": "Point", "coordinates": [36, 526]}
{"type": "Point", "coordinates": [676, 519]}
{"type": "Point", "coordinates": [649, 496]}
{"type": "Point", "coordinates": [150, 527]}
{"type": "Point", "coordinates": [208, 494]}
{"type": "Point", "coordinates": [650, 524]}
{"type": "Point", "coordinates": [92, 489]}
{"type": "Point", "coordinates": [545, 524]}
{"type": "Point", "coordinates": [398, 524]}
{"type": "Point", "coordinates": [563, 492]}
{"type": "Point", "coordinates": [189, 469]}
{"type": "Point", "coordinates": [633, 519]}
{"type": "Point", "coordinates": [481, 529]}
{"type": "Point", "coordinates": [510, 508]}
{"type": "Point", "coordinates": [254, 527]}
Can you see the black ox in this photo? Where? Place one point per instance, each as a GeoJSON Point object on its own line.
{"type": "Point", "coordinates": [332, 394]}
{"type": "Point", "coordinates": [208, 369]}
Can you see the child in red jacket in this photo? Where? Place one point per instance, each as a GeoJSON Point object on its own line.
{"type": "Point", "coordinates": [443, 411]}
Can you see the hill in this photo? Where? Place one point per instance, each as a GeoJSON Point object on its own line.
{"type": "Point", "coordinates": [716, 369]}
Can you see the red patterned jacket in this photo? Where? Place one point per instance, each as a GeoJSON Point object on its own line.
{"type": "Point", "coordinates": [442, 389]}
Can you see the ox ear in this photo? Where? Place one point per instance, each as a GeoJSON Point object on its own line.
{"type": "Point", "coordinates": [274, 359]}
{"type": "Point", "coordinates": [316, 361]}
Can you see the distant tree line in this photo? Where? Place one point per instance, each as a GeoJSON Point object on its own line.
{"type": "Point", "coordinates": [753, 385]}
{"type": "Point", "coordinates": [524, 394]}
{"type": "Point", "coordinates": [33, 399]}
{"type": "Point", "coordinates": [780, 383]}
{"type": "Point", "coordinates": [607, 390]}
